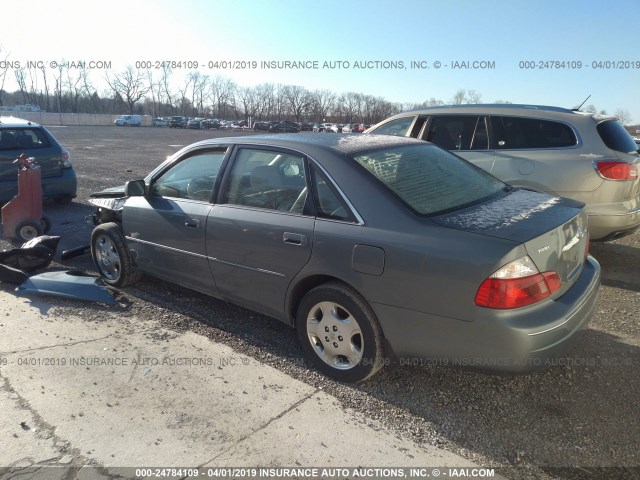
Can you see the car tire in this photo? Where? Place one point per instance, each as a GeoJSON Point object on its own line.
{"type": "Point", "coordinates": [339, 333]}
{"type": "Point", "coordinates": [28, 230]}
{"type": "Point", "coordinates": [111, 256]}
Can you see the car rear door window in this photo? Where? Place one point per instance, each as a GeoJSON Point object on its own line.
{"type": "Point", "coordinates": [463, 132]}
{"type": "Point", "coordinates": [267, 179]}
{"type": "Point", "coordinates": [328, 202]}
{"type": "Point", "coordinates": [518, 133]}
{"type": "Point", "coordinates": [428, 179]}
{"type": "Point", "coordinates": [192, 178]}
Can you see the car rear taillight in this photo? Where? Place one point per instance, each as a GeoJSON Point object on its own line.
{"type": "Point", "coordinates": [65, 160]}
{"type": "Point", "coordinates": [517, 284]}
{"type": "Point", "coordinates": [616, 170]}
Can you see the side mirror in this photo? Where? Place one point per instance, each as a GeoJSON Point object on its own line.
{"type": "Point", "coordinates": [135, 188]}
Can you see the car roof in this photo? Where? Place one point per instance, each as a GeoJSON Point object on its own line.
{"type": "Point", "coordinates": [498, 107]}
{"type": "Point", "coordinates": [345, 143]}
{"type": "Point", "coordinates": [16, 122]}
{"type": "Point", "coordinates": [508, 108]}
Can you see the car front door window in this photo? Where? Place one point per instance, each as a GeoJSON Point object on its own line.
{"type": "Point", "coordinates": [193, 178]}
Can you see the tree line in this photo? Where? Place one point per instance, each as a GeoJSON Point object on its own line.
{"type": "Point", "coordinates": [156, 93]}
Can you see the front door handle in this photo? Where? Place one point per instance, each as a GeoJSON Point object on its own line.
{"type": "Point", "coordinates": [191, 222]}
{"type": "Point", "coordinates": [294, 239]}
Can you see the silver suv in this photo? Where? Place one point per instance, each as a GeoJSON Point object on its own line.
{"type": "Point", "coordinates": [587, 157]}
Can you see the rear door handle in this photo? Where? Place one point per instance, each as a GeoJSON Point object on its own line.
{"type": "Point", "coordinates": [294, 239]}
{"type": "Point", "coordinates": [191, 222]}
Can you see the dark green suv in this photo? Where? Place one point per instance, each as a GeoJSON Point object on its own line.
{"type": "Point", "coordinates": [178, 122]}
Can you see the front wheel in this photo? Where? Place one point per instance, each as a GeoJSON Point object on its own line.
{"type": "Point", "coordinates": [111, 256]}
{"type": "Point", "coordinates": [339, 333]}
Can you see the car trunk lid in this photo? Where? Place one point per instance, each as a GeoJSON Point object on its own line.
{"type": "Point", "coordinates": [553, 229]}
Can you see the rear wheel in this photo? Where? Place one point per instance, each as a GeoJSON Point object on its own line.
{"type": "Point", "coordinates": [111, 256]}
{"type": "Point", "coordinates": [339, 333]}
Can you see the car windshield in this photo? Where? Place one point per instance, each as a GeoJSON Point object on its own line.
{"type": "Point", "coordinates": [428, 179]}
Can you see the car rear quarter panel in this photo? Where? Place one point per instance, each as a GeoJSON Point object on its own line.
{"type": "Point", "coordinates": [426, 267]}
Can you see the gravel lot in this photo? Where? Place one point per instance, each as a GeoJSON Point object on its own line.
{"type": "Point", "coordinates": [581, 413]}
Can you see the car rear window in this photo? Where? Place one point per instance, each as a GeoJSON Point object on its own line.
{"type": "Point", "coordinates": [23, 139]}
{"type": "Point", "coordinates": [616, 137]}
{"type": "Point", "coordinates": [428, 179]}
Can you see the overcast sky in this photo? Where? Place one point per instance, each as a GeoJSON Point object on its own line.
{"type": "Point", "coordinates": [375, 41]}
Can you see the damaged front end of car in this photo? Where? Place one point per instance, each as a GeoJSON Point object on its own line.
{"type": "Point", "coordinates": [108, 205]}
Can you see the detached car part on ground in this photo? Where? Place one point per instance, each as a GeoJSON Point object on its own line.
{"type": "Point", "coordinates": [372, 247]}
{"type": "Point", "coordinates": [587, 157]}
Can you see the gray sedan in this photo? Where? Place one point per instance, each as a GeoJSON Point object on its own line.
{"type": "Point", "coordinates": [372, 247]}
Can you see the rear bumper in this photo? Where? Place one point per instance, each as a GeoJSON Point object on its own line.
{"type": "Point", "coordinates": [66, 185]}
{"type": "Point", "coordinates": [615, 220]}
{"type": "Point", "coordinates": [609, 227]}
{"type": "Point", "coordinates": [520, 340]}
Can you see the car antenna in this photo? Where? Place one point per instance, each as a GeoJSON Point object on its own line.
{"type": "Point", "coordinates": [577, 109]}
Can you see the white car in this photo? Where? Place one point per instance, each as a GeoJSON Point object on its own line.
{"type": "Point", "coordinates": [159, 122]}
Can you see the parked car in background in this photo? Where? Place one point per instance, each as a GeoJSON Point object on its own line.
{"type": "Point", "coordinates": [370, 246]}
{"type": "Point", "coordinates": [128, 121]}
{"type": "Point", "coordinates": [306, 127]}
{"type": "Point", "coordinates": [637, 140]}
{"type": "Point", "coordinates": [211, 123]}
{"type": "Point", "coordinates": [284, 127]}
{"type": "Point", "coordinates": [262, 125]}
{"type": "Point", "coordinates": [584, 156]}
{"type": "Point", "coordinates": [18, 136]}
{"type": "Point", "coordinates": [239, 124]}
{"type": "Point", "coordinates": [178, 121]}
{"type": "Point", "coordinates": [196, 123]}
{"type": "Point", "coordinates": [332, 128]}
{"type": "Point", "coordinates": [159, 122]}
{"type": "Point", "coordinates": [353, 128]}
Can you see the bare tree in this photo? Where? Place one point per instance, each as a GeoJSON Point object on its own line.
{"type": "Point", "coordinates": [323, 102]}
{"type": "Point", "coordinates": [624, 117]}
{"type": "Point", "coordinates": [163, 85]}
{"type": "Point", "coordinates": [591, 109]}
{"type": "Point", "coordinates": [74, 89]}
{"type": "Point", "coordinates": [459, 97]}
{"type": "Point", "coordinates": [297, 99]}
{"type": "Point", "coordinates": [154, 89]}
{"type": "Point", "coordinates": [43, 72]}
{"type": "Point", "coordinates": [351, 103]}
{"type": "Point", "coordinates": [129, 86]}
{"type": "Point", "coordinates": [3, 73]}
{"type": "Point", "coordinates": [265, 94]}
{"type": "Point", "coordinates": [199, 85]}
{"type": "Point", "coordinates": [474, 97]}
{"type": "Point", "coordinates": [247, 99]}
{"type": "Point", "coordinates": [21, 79]}
{"type": "Point", "coordinates": [222, 90]}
